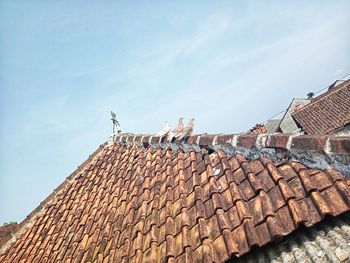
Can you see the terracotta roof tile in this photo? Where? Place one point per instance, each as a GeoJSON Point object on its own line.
{"type": "Point", "coordinates": [327, 112]}
{"type": "Point", "coordinates": [141, 204]}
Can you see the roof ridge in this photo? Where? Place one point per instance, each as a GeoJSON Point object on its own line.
{"type": "Point", "coordinates": [21, 227]}
{"type": "Point", "coordinates": [296, 141]}
{"type": "Point", "coordinates": [324, 95]}
{"type": "Point", "coordinates": [316, 151]}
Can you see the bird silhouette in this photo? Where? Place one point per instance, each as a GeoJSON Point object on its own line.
{"type": "Point", "coordinates": [187, 131]}
{"type": "Point", "coordinates": [165, 131]}
{"type": "Point", "coordinates": [176, 131]}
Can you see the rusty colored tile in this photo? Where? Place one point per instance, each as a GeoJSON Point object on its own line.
{"type": "Point", "coordinates": [251, 236]}
{"type": "Point", "coordinates": [178, 245]}
{"type": "Point", "coordinates": [257, 210]}
{"type": "Point", "coordinates": [266, 180]}
{"type": "Point", "coordinates": [246, 190]}
{"type": "Point", "coordinates": [297, 213]}
{"type": "Point", "coordinates": [336, 176]}
{"type": "Point", "coordinates": [198, 232]}
{"type": "Point", "coordinates": [225, 164]}
{"type": "Point", "coordinates": [307, 181]}
{"type": "Point", "coordinates": [239, 175]}
{"type": "Point", "coordinates": [207, 251]}
{"type": "Point", "coordinates": [240, 238]}
{"type": "Point", "coordinates": [298, 188]}
{"type": "Point", "coordinates": [217, 202]}
{"type": "Point", "coordinates": [256, 166]}
{"type": "Point", "coordinates": [255, 182]}
{"type": "Point", "coordinates": [297, 167]}
{"type": "Point", "coordinates": [200, 210]}
{"type": "Point", "coordinates": [133, 204]}
{"type": "Point", "coordinates": [233, 163]}
{"type": "Point", "coordinates": [274, 172]}
{"type": "Point", "coordinates": [243, 210]}
{"type": "Point", "coordinates": [276, 198]}
{"type": "Point", "coordinates": [235, 192]}
{"type": "Point", "coordinates": [287, 172]}
{"type": "Point", "coordinates": [229, 176]}
{"type": "Point", "coordinates": [313, 214]}
{"type": "Point", "coordinates": [209, 209]}
{"type": "Point", "coordinates": [344, 190]}
{"type": "Point", "coordinates": [263, 234]}
{"type": "Point", "coordinates": [320, 203]}
{"type": "Point", "coordinates": [246, 168]}
{"type": "Point", "coordinates": [219, 246]}
{"type": "Point", "coordinates": [285, 217]}
{"type": "Point", "coordinates": [232, 213]}
{"type": "Point", "coordinates": [227, 199]}
{"type": "Point", "coordinates": [213, 227]}
{"type": "Point", "coordinates": [332, 196]}
{"type": "Point", "coordinates": [286, 190]}
{"type": "Point", "coordinates": [321, 180]}
{"type": "Point", "coordinates": [223, 220]}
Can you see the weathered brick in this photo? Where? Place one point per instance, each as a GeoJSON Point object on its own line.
{"type": "Point", "coordinates": [206, 139]}
{"type": "Point", "coordinates": [138, 138]}
{"type": "Point", "coordinates": [224, 139]}
{"type": "Point", "coordinates": [155, 139]}
{"type": "Point", "coordinates": [146, 138]}
{"type": "Point", "coordinates": [309, 142]}
{"type": "Point", "coordinates": [247, 140]}
{"type": "Point", "coordinates": [278, 141]}
{"type": "Point", "coordinates": [192, 139]}
{"type": "Point", "coordinates": [340, 144]}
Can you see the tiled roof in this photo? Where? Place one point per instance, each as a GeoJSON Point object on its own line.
{"type": "Point", "coordinates": [327, 112]}
{"type": "Point", "coordinates": [327, 241]}
{"type": "Point", "coordinates": [6, 232]}
{"type": "Point", "coordinates": [258, 129]}
{"type": "Point", "coordinates": [133, 203]}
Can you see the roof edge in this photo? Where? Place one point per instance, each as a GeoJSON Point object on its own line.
{"type": "Point", "coordinates": [315, 151]}
{"type": "Point", "coordinates": [325, 94]}
{"type": "Point", "coordinates": [49, 199]}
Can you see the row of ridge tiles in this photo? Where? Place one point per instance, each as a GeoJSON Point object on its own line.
{"type": "Point", "coordinates": [136, 204]}
{"type": "Point", "coordinates": [331, 144]}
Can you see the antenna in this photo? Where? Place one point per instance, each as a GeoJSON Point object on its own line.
{"type": "Point", "coordinates": [116, 125]}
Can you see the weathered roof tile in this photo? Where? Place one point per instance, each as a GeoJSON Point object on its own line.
{"type": "Point", "coordinates": [143, 205]}
{"type": "Point", "coordinates": [327, 112]}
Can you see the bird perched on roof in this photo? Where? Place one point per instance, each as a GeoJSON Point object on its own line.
{"type": "Point", "coordinates": [165, 130]}
{"type": "Point", "coordinates": [187, 131]}
{"type": "Point", "coordinates": [176, 131]}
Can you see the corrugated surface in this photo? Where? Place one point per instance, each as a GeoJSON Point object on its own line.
{"type": "Point", "coordinates": [328, 241]}
{"type": "Point", "coordinates": [326, 113]}
{"type": "Point", "coordinates": [136, 204]}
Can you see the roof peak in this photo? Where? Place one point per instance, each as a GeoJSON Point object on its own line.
{"type": "Point", "coordinates": [315, 151]}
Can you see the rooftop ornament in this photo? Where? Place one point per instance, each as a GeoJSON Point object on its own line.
{"type": "Point", "coordinates": [116, 125]}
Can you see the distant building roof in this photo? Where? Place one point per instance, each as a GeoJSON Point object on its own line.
{"type": "Point", "coordinates": [6, 232]}
{"type": "Point", "coordinates": [272, 125]}
{"type": "Point", "coordinates": [287, 124]}
{"type": "Point", "coordinates": [328, 112]}
{"type": "Point", "coordinates": [258, 129]}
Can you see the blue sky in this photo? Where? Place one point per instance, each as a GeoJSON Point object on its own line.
{"type": "Point", "coordinates": [65, 64]}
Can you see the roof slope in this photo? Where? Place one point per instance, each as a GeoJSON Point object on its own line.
{"type": "Point", "coordinates": [327, 241]}
{"type": "Point", "coordinates": [138, 204]}
{"type": "Point", "coordinates": [6, 232]}
{"type": "Point", "coordinates": [326, 113]}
